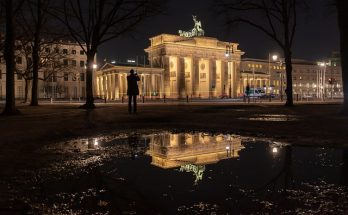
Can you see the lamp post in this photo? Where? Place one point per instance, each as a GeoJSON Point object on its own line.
{"type": "Point", "coordinates": [322, 78]}
{"type": "Point", "coordinates": [274, 58]}
{"type": "Point", "coordinates": [228, 54]}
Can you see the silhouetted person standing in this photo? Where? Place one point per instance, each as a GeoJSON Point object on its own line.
{"type": "Point", "coordinates": [132, 90]}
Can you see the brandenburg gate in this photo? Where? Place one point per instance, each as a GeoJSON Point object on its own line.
{"type": "Point", "coordinates": [188, 64]}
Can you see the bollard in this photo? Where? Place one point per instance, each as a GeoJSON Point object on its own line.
{"type": "Point", "coordinates": [105, 100]}
{"type": "Point", "coordinates": [51, 100]}
{"type": "Point", "coordinates": [296, 97]}
{"type": "Point", "coordinates": [187, 98]}
{"type": "Point", "coordinates": [122, 99]}
{"type": "Point", "coordinates": [143, 99]}
{"type": "Point", "coordinates": [164, 99]}
{"type": "Point", "coordinates": [270, 98]}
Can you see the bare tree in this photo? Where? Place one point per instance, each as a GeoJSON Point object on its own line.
{"type": "Point", "coordinates": [94, 22]}
{"type": "Point", "coordinates": [11, 8]}
{"type": "Point", "coordinates": [35, 24]}
{"type": "Point", "coordinates": [342, 8]}
{"type": "Point", "coordinates": [275, 18]}
{"type": "Point", "coordinates": [51, 61]}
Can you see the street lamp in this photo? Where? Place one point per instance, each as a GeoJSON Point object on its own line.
{"type": "Point", "coordinates": [274, 58]}
{"type": "Point", "coordinates": [322, 79]}
{"type": "Point", "coordinates": [229, 52]}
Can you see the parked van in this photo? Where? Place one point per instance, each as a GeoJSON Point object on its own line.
{"type": "Point", "coordinates": [258, 92]}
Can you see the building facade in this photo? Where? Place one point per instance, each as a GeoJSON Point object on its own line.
{"type": "Point", "coordinates": [63, 77]}
{"type": "Point", "coordinates": [309, 79]}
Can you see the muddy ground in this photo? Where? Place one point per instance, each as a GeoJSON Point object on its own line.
{"type": "Point", "coordinates": [22, 137]}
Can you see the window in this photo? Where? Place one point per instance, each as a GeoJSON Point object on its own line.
{"type": "Point", "coordinates": [73, 62]}
{"type": "Point", "coordinates": [82, 52]}
{"type": "Point", "coordinates": [66, 76]}
{"type": "Point", "coordinates": [65, 51]}
{"type": "Point", "coordinates": [47, 50]}
{"type": "Point", "coordinates": [202, 75]}
{"type": "Point", "coordinates": [82, 63]}
{"type": "Point", "coordinates": [0, 74]}
{"type": "Point", "coordinates": [56, 50]}
{"type": "Point", "coordinates": [19, 60]}
{"type": "Point", "coordinates": [173, 74]}
{"type": "Point", "coordinates": [19, 76]}
{"type": "Point", "coordinates": [65, 62]}
{"type": "Point", "coordinates": [82, 76]}
{"type": "Point", "coordinates": [73, 52]}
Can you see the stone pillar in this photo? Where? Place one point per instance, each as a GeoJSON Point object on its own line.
{"type": "Point", "coordinates": [153, 84]}
{"type": "Point", "coordinates": [188, 65]}
{"type": "Point", "coordinates": [120, 81]}
{"type": "Point", "coordinates": [105, 87]}
{"type": "Point", "coordinates": [113, 86]}
{"type": "Point", "coordinates": [212, 78]}
{"type": "Point", "coordinates": [109, 88]}
{"type": "Point", "coordinates": [117, 86]}
{"type": "Point", "coordinates": [195, 76]}
{"type": "Point", "coordinates": [97, 87]}
{"type": "Point", "coordinates": [218, 87]}
{"type": "Point", "coordinates": [166, 76]}
{"type": "Point", "coordinates": [181, 77]}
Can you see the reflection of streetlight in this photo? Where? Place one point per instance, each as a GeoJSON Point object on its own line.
{"type": "Point", "coordinates": [228, 54]}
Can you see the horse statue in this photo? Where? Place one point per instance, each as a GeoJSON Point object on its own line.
{"type": "Point", "coordinates": [196, 31]}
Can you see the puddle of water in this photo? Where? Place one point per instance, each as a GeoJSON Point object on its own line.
{"type": "Point", "coordinates": [271, 117]}
{"type": "Point", "coordinates": [189, 173]}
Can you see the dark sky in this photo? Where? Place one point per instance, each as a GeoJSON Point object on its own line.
{"type": "Point", "coordinates": [317, 32]}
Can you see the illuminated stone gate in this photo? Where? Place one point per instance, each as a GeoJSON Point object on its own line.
{"type": "Point", "coordinates": [196, 66]}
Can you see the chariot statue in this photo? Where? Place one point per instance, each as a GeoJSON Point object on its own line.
{"type": "Point", "coordinates": [196, 31]}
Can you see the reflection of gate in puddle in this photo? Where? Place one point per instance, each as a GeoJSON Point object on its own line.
{"type": "Point", "coordinates": [191, 152]}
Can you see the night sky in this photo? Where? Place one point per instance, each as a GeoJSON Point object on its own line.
{"type": "Point", "coordinates": [317, 32]}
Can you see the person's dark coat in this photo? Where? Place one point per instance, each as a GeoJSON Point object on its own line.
{"type": "Point", "coordinates": [132, 84]}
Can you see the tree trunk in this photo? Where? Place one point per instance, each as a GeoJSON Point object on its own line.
{"type": "Point", "coordinates": [10, 107]}
{"type": "Point", "coordinates": [36, 57]}
{"type": "Point", "coordinates": [342, 7]}
{"type": "Point", "coordinates": [288, 90]}
{"type": "Point", "coordinates": [26, 87]}
{"type": "Point", "coordinates": [89, 82]}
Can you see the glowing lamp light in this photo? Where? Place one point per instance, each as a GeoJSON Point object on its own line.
{"type": "Point", "coordinates": [227, 54]}
{"type": "Point", "coordinates": [96, 143]}
{"type": "Point", "coordinates": [227, 148]}
{"type": "Point", "coordinates": [275, 57]}
{"type": "Point", "coordinates": [275, 150]}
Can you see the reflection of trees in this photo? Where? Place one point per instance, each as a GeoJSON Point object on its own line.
{"type": "Point", "coordinates": [286, 171]}
{"type": "Point", "coordinates": [344, 168]}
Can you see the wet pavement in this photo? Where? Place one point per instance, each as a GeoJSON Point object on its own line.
{"type": "Point", "coordinates": [181, 173]}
